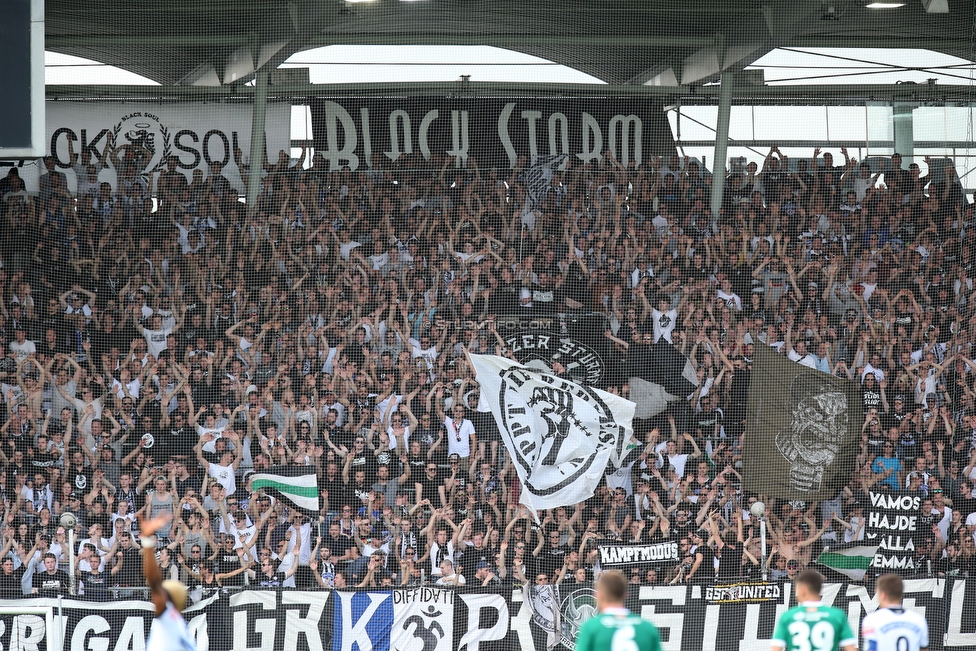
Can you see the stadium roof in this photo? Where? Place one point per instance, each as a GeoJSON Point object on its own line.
{"type": "Point", "coordinates": [622, 42]}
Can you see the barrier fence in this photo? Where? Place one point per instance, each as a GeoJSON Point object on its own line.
{"type": "Point", "coordinates": [432, 619]}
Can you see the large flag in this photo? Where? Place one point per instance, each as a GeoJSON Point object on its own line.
{"type": "Point", "coordinates": [538, 178]}
{"type": "Point", "coordinates": [295, 485]}
{"type": "Point", "coordinates": [661, 377]}
{"type": "Point", "coordinates": [561, 435]}
{"type": "Point", "coordinates": [851, 560]}
{"type": "Point", "coordinates": [803, 427]}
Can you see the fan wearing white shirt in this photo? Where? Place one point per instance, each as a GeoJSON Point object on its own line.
{"type": "Point", "coordinates": [675, 459]}
{"type": "Point", "coordinates": [461, 437]}
{"type": "Point", "coordinates": [727, 296]}
{"type": "Point", "coordinates": [225, 472]}
{"type": "Point", "coordinates": [799, 353]}
{"type": "Point", "coordinates": [156, 334]}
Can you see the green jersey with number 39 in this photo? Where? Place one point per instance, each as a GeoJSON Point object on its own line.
{"type": "Point", "coordinates": [617, 629]}
{"type": "Point", "coordinates": [813, 627]}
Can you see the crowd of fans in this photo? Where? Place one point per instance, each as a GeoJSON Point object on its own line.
{"type": "Point", "coordinates": [156, 348]}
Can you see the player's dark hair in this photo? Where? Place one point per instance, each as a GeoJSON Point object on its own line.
{"type": "Point", "coordinates": [613, 585]}
{"type": "Point", "coordinates": [891, 585]}
{"type": "Point", "coordinates": [811, 579]}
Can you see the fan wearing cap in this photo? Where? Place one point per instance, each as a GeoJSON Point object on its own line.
{"type": "Point", "coordinates": [169, 630]}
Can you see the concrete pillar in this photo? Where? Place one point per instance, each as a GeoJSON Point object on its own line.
{"type": "Point", "coordinates": [258, 113]}
{"type": "Point", "coordinates": [721, 140]}
{"type": "Point", "coordinates": [901, 116]}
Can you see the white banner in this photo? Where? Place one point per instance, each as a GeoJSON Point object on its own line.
{"type": "Point", "coordinates": [423, 620]}
{"type": "Point", "coordinates": [561, 435]}
{"type": "Point", "coordinates": [196, 133]}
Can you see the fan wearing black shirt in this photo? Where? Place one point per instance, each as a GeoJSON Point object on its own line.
{"type": "Point", "coordinates": [341, 546]}
{"type": "Point", "coordinates": [41, 456]}
{"type": "Point", "coordinates": [966, 503]}
{"type": "Point", "coordinates": [730, 552]}
{"type": "Point", "coordinates": [474, 553]}
{"type": "Point", "coordinates": [130, 556]}
{"type": "Point", "coordinates": [10, 579]}
{"type": "Point", "coordinates": [549, 554]}
{"type": "Point", "coordinates": [357, 490]}
{"type": "Point", "coordinates": [76, 473]}
{"type": "Point", "coordinates": [332, 487]}
{"type": "Point", "coordinates": [430, 486]}
{"type": "Point", "coordinates": [50, 582]}
{"type": "Point", "coordinates": [175, 437]}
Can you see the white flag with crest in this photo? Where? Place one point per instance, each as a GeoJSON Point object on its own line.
{"type": "Point", "coordinates": [561, 435]}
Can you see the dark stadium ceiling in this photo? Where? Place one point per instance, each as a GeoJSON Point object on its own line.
{"type": "Point", "coordinates": [623, 42]}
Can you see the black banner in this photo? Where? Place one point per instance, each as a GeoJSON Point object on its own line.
{"type": "Point", "coordinates": [744, 592]}
{"type": "Point", "coordinates": [689, 618]}
{"type": "Point", "coordinates": [496, 132]}
{"type": "Point", "coordinates": [622, 556]}
{"type": "Point", "coordinates": [575, 341]}
{"type": "Point", "coordinates": [892, 522]}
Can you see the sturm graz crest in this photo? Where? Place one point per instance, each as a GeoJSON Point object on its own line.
{"type": "Point", "coordinates": [575, 608]}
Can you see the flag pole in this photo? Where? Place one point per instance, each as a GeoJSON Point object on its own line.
{"type": "Point", "coordinates": [762, 538]}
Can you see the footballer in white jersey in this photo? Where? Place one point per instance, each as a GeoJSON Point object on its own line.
{"type": "Point", "coordinates": [891, 627]}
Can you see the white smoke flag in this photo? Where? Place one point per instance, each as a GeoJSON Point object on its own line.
{"type": "Point", "coordinates": [561, 435]}
{"type": "Point", "coordinates": [543, 602]}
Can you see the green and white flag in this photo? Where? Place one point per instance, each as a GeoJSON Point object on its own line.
{"type": "Point", "coordinates": [295, 485]}
{"type": "Point", "coordinates": [851, 560]}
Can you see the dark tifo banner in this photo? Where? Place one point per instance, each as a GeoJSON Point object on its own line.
{"type": "Point", "coordinates": [430, 619]}
{"type": "Point", "coordinates": [623, 556]}
{"type": "Point", "coordinates": [892, 522]}
{"type": "Point", "coordinates": [497, 132]}
{"type": "Point", "coordinates": [537, 341]}
{"type": "Point", "coordinates": [802, 429]}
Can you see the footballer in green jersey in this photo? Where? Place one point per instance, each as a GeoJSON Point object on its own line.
{"type": "Point", "coordinates": [812, 626]}
{"type": "Point", "coordinates": [615, 628]}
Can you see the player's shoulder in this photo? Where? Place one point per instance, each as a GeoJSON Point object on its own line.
{"type": "Point", "coordinates": [832, 611]}
{"type": "Point", "coordinates": [595, 623]}
{"type": "Point", "coordinates": [839, 618]}
{"type": "Point", "coordinates": [883, 616]}
{"type": "Point", "coordinates": [792, 612]}
{"type": "Point", "coordinates": [914, 616]}
{"type": "Point", "coordinates": [650, 629]}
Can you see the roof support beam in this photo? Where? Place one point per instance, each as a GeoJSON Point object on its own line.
{"type": "Point", "coordinates": [706, 95]}
{"type": "Point", "coordinates": [55, 41]}
{"type": "Point", "coordinates": [947, 44]}
{"type": "Point", "coordinates": [511, 40]}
